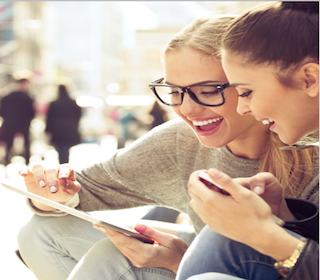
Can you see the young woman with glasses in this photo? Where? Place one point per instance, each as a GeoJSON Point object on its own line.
{"type": "Point", "coordinates": [274, 65]}
{"type": "Point", "coordinates": [155, 171]}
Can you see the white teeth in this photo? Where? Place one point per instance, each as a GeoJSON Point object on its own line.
{"type": "Point", "coordinates": [201, 123]}
{"type": "Point", "coordinates": [266, 122]}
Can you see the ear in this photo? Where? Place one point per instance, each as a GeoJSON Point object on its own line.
{"type": "Point", "coordinates": [309, 73]}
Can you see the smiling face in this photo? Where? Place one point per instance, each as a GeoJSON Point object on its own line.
{"type": "Point", "coordinates": [294, 114]}
{"type": "Point", "coordinates": [214, 126]}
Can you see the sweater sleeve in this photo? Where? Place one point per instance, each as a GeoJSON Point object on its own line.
{"type": "Point", "coordinates": [145, 173]}
{"type": "Point", "coordinates": [148, 172]}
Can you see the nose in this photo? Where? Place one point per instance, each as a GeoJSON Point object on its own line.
{"type": "Point", "coordinates": [189, 106]}
{"type": "Point", "coordinates": [243, 107]}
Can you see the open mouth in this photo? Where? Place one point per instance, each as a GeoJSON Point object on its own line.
{"type": "Point", "coordinates": [267, 122]}
{"type": "Point", "coordinates": [207, 124]}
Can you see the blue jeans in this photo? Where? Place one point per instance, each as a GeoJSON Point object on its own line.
{"type": "Point", "coordinates": [60, 248]}
{"type": "Point", "coordinates": [215, 257]}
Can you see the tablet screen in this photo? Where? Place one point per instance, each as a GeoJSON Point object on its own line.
{"type": "Point", "coordinates": [77, 213]}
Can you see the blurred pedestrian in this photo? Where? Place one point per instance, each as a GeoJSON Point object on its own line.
{"type": "Point", "coordinates": [63, 123]}
{"type": "Point", "coordinates": [17, 111]}
{"type": "Point", "coordinates": [159, 114]}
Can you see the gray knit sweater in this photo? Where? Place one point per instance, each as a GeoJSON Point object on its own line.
{"type": "Point", "coordinates": [155, 170]}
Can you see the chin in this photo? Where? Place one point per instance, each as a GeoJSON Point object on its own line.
{"type": "Point", "coordinates": [209, 144]}
{"type": "Point", "coordinates": [289, 139]}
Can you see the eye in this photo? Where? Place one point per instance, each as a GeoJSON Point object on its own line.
{"type": "Point", "coordinates": [245, 94]}
{"type": "Point", "coordinates": [174, 92]}
{"type": "Point", "coordinates": [206, 90]}
{"type": "Point", "coordinates": [214, 92]}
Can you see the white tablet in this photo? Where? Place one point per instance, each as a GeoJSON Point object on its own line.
{"type": "Point", "coordinates": [79, 214]}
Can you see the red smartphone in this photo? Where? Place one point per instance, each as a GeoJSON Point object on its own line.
{"type": "Point", "coordinates": [205, 178]}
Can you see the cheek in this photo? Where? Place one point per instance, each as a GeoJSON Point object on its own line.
{"type": "Point", "coordinates": [231, 102]}
{"type": "Point", "coordinates": [176, 109]}
{"type": "Point", "coordinates": [261, 106]}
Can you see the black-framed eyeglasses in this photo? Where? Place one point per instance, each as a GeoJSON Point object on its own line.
{"type": "Point", "coordinates": [206, 95]}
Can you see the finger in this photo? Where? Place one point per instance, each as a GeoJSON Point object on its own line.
{"type": "Point", "coordinates": [39, 175]}
{"type": "Point", "coordinates": [70, 187]}
{"type": "Point", "coordinates": [245, 182]}
{"type": "Point", "coordinates": [52, 179]}
{"type": "Point", "coordinates": [161, 238]}
{"type": "Point", "coordinates": [125, 243]}
{"type": "Point", "coordinates": [259, 182]}
{"type": "Point", "coordinates": [23, 171]}
{"type": "Point", "coordinates": [228, 184]}
{"type": "Point", "coordinates": [196, 187]}
{"type": "Point", "coordinates": [195, 202]}
{"type": "Point", "coordinates": [66, 172]}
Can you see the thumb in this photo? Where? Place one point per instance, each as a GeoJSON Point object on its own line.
{"type": "Point", "coordinates": [228, 184]}
{"type": "Point", "coordinates": [160, 237]}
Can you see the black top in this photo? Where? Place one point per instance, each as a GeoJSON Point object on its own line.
{"type": "Point", "coordinates": [63, 120]}
{"type": "Point", "coordinates": [17, 111]}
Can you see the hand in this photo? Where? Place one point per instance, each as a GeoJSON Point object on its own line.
{"type": "Point", "coordinates": [243, 216]}
{"type": "Point", "coordinates": [236, 216]}
{"type": "Point", "coordinates": [167, 251]}
{"type": "Point", "coordinates": [57, 184]}
{"type": "Point", "coordinates": [267, 186]}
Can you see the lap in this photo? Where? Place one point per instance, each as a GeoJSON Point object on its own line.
{"type": "Point", "coordinates": [212, 252]}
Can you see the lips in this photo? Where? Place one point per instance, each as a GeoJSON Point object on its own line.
{"type": "Point", "coordinates": [207, 126]}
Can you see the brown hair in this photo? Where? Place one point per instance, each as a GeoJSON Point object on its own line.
{"type": "Point", "coordinates": [203, 34]}
{"type": "Point", "coordinates": [294, 169]}
{"type": "Point", "coordinates": [282, 34]}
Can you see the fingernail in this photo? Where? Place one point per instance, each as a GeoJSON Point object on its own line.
{"type": "Point", "coordinates": [139, 228]}
{"type": "Point", "coordinates": [53, 189]}
{"type": "Point", "coordinates": [23, 172]}
{"type": "Point", "coordinates": [63, 175]}
{"type": "Point", "coordinates": [215, 173]}
{"type": "Point", "coordinates": [258, 190]}
{"type": "Point", "coordinates": [42, 184]}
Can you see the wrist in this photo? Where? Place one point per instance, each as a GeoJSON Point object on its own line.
{"type": "Point", "coordinates": [284, 267]}
{"type": "Point", "coordinates": [276, 243]}
{"type": "Point", "coordinates": [40, 206]}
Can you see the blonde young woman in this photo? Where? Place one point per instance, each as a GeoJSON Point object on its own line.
{"type": "Point", "coordinates": [155, 171]}
{"type": "Point", "coordinates": [271, 55]}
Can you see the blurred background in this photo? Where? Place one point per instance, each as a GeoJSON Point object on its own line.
{"type": "Point", "coordinates": [106, 53]}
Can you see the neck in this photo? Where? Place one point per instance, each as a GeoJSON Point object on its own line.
{"type": "Point", "coordinates": [252, 144]}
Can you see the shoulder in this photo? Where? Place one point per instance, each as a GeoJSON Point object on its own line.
{"type": "Point", "coordinates": [166, 138]}
{"type": "Point", "coordinates": [174, 127]}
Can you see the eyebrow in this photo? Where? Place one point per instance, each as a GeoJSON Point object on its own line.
{"type": "Point", "coordinates": [237, 84]}
{"type": "Point", "coordinates": [201, 83]}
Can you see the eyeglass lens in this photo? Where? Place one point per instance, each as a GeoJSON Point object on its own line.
{"type": "Point", "coordinates": [209, 95]}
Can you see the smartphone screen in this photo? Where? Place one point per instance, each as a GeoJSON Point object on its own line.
{"type": "Point", "coordinates": [205, 178]}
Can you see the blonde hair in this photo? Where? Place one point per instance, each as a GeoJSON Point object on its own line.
{"type": "Point", "coordinates": [294, 169]}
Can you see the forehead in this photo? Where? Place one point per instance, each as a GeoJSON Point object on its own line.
{"type": "Point", "coordinates": [188, 66]}
{"type": "Point", "coordinates": [241, 73]}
